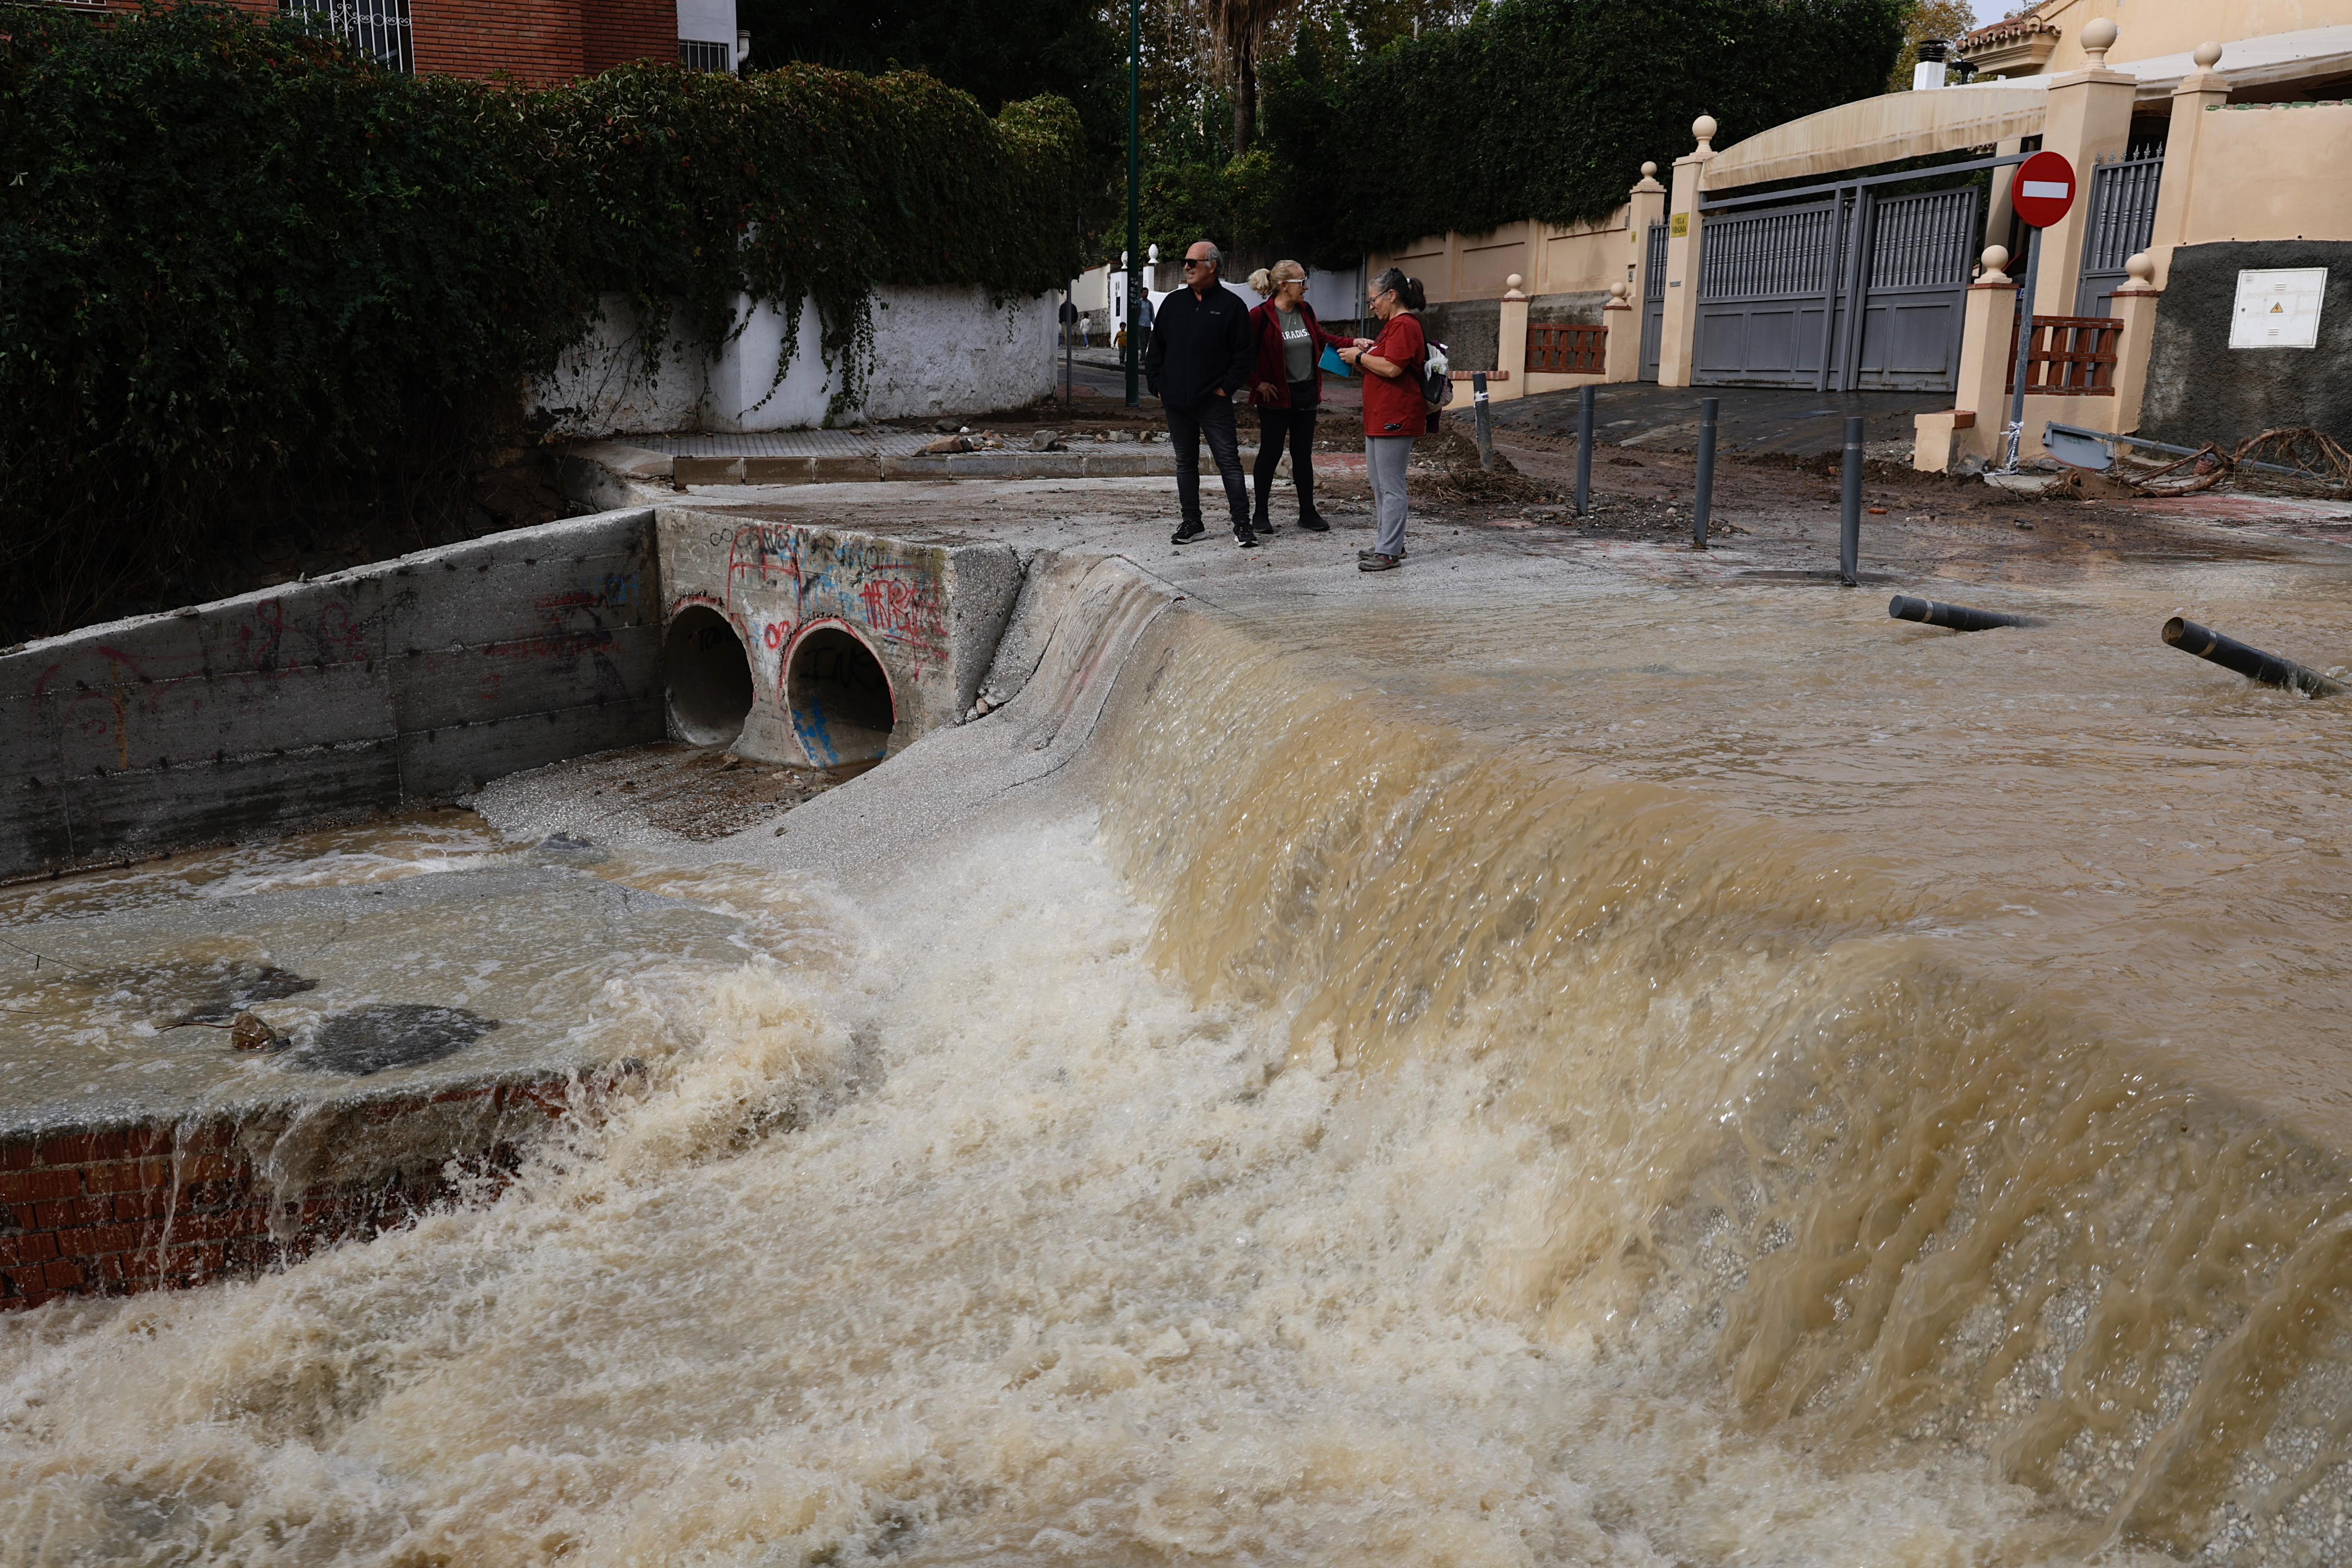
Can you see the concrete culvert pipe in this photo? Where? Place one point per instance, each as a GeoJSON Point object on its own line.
{"type": "Point", "coordinates": [840, 699]}
{"type": "Point", "coordinates": [707, 678]}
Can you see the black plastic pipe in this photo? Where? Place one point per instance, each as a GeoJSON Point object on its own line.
{"type": "Point", "coordinates": [1703, 504]}
{"type": "Point", "coordinates": [2251, 662]}
{"type": "Point", "coordinates": [1959, 617]}
{"type": "Point", "coordinates": [1583, 449]}
{"type": "Point", "coordinates": [1849, 510]}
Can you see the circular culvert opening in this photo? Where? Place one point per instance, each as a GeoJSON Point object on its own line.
{"type": "Point", "coordinates": [839, 698]}
{"type": "Point", "coordinates": [708, 677]}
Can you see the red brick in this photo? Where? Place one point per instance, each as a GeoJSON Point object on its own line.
{"type": "Point", "coordinates": [128, 1176]}
{"type": "Point", "coordinates": [58, 1215]}
{"type": "Point", "coordinates": [61, 1273]}
{"type": "Point", "coordinates": [140, 1205]}
{"type": "Point", "coordinates": [83, 1148]}
{"type": "Point", "coordinates": [24, 1187]}
{"type": "Point", "coordinates": [20, 1155]}
{"type": "Point", "coordinates": [212, 1167]}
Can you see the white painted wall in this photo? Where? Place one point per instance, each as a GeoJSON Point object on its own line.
{"type": "Point", "coordinates": [936, 351]}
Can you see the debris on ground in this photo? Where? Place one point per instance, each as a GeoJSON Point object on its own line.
{"type": "Point", "coordinates": [2296, 460]}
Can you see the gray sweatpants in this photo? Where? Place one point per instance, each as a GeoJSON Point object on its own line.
{"type": "Point", "coordinates": [1384, 460]}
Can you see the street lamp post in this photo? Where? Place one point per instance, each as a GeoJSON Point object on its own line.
{"type": "Point", "coordinates": [1134, 197]}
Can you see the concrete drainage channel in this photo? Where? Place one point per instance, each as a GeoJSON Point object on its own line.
{"type": "Point", "coordinates": [387, 687]}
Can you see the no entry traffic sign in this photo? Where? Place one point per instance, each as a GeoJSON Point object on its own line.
{"type": "Point", "coordinates": [2044, 189]}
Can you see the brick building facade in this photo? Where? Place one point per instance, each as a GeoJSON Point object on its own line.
{"type": "Point", "coordinates": [536, 43]}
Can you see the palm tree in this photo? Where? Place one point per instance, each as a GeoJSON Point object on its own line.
{"type": "Point", "coordinates": [1237, 27]}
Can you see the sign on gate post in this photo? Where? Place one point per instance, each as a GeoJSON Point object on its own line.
{"type": "Point", "coordinates": [2042, 193]}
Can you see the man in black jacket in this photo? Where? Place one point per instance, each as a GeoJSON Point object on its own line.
{"type": "Point", "coordinates": [1199, 354]}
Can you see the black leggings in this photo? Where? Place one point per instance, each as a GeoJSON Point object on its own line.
{"type": "Point", "coordinates": [1294, 424]}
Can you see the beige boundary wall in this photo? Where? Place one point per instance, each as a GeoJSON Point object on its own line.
{"type": "Point", "coordinates": [1520, 262]}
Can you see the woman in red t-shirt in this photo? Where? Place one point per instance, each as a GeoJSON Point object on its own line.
{"type": "Point", "coordinates": [1394, 410]}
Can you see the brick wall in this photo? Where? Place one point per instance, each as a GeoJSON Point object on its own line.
{"type": "Point", "coordinates": [536, 42]}
{"type": "Point", "coordinates": [617, 30]}
{"type": "Point", "coordinates": [539, 43]}
{"type": "Point", "coordinates": [117, 1210]}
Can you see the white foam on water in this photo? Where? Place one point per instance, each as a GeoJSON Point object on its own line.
{"type": "Point", "coordinates": [962, 1237]}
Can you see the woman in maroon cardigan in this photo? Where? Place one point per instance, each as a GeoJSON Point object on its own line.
{"type": "Point", "coordinates": [1286, 386]}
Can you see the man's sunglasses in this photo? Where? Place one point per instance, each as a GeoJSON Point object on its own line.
{"type": "Point", "coordinates": [1196, 261]}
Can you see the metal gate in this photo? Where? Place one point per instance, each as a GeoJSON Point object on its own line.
{"type": "Point", "coordinates": [1849, 291]}
{"type": "Point", "coordinates": [1654, 301]}
{"type": "Point", "coordinates": [2122, 221]}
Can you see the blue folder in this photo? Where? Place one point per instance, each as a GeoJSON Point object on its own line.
{"type": "Point", "coordinates": [1332, 366]}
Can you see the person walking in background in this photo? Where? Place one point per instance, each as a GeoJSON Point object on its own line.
{"type": "Point", "coordinates": [1395, 411]}
{"type": "Point", "coordinates": [1197, 356]}
{"type": "Point", "coordinates": [1287, 387]}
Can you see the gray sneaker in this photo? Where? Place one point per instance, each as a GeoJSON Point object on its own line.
{"type": "Point", "coordinates": [1380, 563]}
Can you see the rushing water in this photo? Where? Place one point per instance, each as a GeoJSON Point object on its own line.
{"type": "Point", "coordinates": [1346, 1145]}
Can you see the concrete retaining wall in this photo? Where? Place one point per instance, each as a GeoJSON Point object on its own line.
{"type": "Point", "coordinates": [2199, 389]}
{"type": "Point", "coordinates": [930, 613]}
{"type": "Point", "coordinates": [408, 679]}
{"type": "Point", "coordinates": [936, 351]}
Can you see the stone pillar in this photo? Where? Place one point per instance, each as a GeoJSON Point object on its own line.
{"type": "Point", "coordinates": [1511, 343]}
{"type": "Point", "coordinates": [2201, 89]}
{"type": "Point", "coordinates": [1645, 204]}
{"type": "Point", "coordinates": [1681, 334]}
{"type": "Point", "coordinates": [2135, 305]}
{"type": "Point", "coordinates": [1972, 426]}
{"type": "Point", "coordinates": [2089, 117]}
{"type": "Point", "coordinates": [1622, 351]}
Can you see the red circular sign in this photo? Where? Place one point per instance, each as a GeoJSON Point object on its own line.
{"type": "Point", "coordinates": [2044, 190]}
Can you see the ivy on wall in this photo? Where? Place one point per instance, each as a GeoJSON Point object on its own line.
{"type": "Point", "coordinates": [244, 274]}
{"type": "Point", "coordinates": [1545, 108]}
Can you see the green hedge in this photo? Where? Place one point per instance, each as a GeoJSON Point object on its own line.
{"type": "Point", "coordinates": [1545, 108]}
{"type": "Point", "coordinates": [244, 275]}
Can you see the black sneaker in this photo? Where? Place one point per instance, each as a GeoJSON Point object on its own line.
{"type": "Point", "coordinates": [1248, 541]}
{"type": "Point", "coordinates": [1313, 524]}
{"type": "Point", "coordinates": [1187, 534]}
{"type": "Point", "coordinates": [1262, 524]}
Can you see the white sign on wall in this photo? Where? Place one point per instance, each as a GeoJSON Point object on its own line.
{"type": "Point", "coordinates": [2278, 307]}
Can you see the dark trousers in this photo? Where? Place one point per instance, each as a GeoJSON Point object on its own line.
{"type": "Point", "coordinates": [1211, 419]}
{"type": "Point", "coordinates": [1295, 425]}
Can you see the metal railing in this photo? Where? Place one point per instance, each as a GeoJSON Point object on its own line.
{"type": "Point", "coordinates": [1567, 351]}
{"type": "Point", "coordinates": [379, 29]}
{"type": "Point", "coordinates": [2071, 356]}
{"type": "Point", "coordinates": [704, 55]}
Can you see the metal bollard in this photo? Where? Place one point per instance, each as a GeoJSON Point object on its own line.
{"type": "Point", "coordinates": [1850, 512]}
{"type": "Point", "coordinates": [1957, 617]}
{"type": "Point", "coordinates": [1485, 426]}
{"type": "Point", "coordinates": [1703, 504]}
{"type": "Point", "coordinates": [2251, 662]}
{"type": "Point", "coordinates": [1583, 450]}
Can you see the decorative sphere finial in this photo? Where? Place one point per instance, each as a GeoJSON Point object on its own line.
{"type": "Point", "coordinates": [1649, 170]}
{"type": "Point", "coordinates": [2142, 267]}
{"type": "Point", "coordinates": [2208, 55]}
{"type": "Point", "coordinates": [1618, 291]}
{"type": "Point", "coordinates": [1704, 129]}
{"type": "Point", "coordinates": [2098, 37]}
{"type": "Point", "coordinates": [1995, 257]}
{"type": "Point", "coordinates": [1514, 283]}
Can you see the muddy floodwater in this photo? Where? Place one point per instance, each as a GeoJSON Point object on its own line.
{"type": "Point", "coordinates": [1615, 1061]}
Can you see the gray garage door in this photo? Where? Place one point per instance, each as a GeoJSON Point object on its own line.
{"type": "Point", "coordinates": [1847, 291]}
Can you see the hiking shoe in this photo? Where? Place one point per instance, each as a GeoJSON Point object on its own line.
{"type": "Point", "coordinates": [1368, 554]}
{"type": "Point", "coordinates": [1248, 541]}
{"type": "Point", "coordinates": [1380, 563]}
{"type": "Point", "coordinates": [1187, 534]}
{"type": "Point", "coordinates": [1313, 524]}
